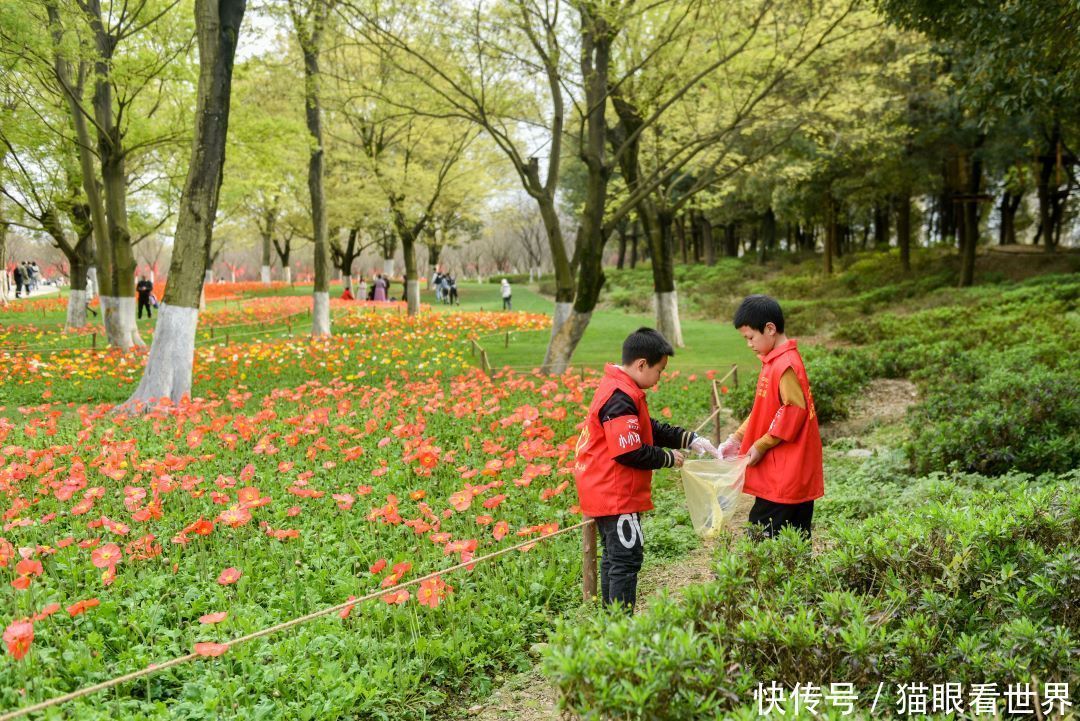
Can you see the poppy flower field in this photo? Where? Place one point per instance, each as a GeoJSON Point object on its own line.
{"type": "Point", "coordinates": [305, 474]}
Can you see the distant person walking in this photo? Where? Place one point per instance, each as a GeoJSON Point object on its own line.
{"type": "Point", "coordinates": [506, 292]}
{"type": "Point", "coordinates": [143, 290]}
{"type": "Point", "coordinates": [453, 291]}
{"type": "Point", "coordinates": [361, 289]}
{"type": "Point", "coordinates": [19, 276]}
{"type": "Point", "coordinates": [380, 289]}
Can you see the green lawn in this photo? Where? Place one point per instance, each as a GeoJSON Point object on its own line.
{"type": "Point", "coordinates": [709, 344]}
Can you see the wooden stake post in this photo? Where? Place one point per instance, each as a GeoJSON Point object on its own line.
{"type": "Point", "coordinates": [588, 560]}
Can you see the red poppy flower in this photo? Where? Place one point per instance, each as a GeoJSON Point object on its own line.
{"type": "Point", "coordinates": [234, 517]}
{"type": "Point", "coordinates": [396, 597]}
{"type": "Point", "coordinates": [44, 613]}
{"type": "Point", "coordinates": [18, 636]}
{"type": "Point", "coordinates": [82, 606]}
{"type": "Point", "coordinates": [378, 566]}
{"type": "Point", "coordinates": [344, 613]}
{"type": "Point", "coordinates": [107, 556]}
{"type": "Point", "coordinates": [500, 530]}
{"type": "Point", "coordinates": [229, 576]}
{"type": "Point", "coordinates": [432, 592]}
{"type": "Point", "coordinates": [461, 500]}
{"type": "Point", "coordinates": [217, 617]}
{"type": "Point", "coordinates": [29, 567]}
{"type": "Point", "coordinates": [208, 648]}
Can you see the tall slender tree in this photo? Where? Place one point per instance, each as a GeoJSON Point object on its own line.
{"type": "Point", "coordinates": [169, 366]}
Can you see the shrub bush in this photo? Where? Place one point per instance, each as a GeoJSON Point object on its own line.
{"type": "Point", "coordinates": [972, 593]}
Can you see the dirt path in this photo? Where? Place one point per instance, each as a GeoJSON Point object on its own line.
{"type": "Point", "coordinates": [530, 696]}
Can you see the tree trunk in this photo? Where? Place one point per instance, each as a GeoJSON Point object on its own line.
{"type": "Point", "coordinates": [434, 251]}
{"type": "Point", "coordinates": [731, 241]}
{"type": "Point", "coordinates": [680, 233]}
{"type": "Point", "coordinates": [881, 227]}
{"type": "Point", "coordinates": [1047, 164]}
{"type": "Point", "coordinates": [903, 227]}
{"type": "Point", "coordinates": [658, 229]}
{"type": "Point", "coordinates": [412, 282]}
{"type": "Point", "coordinates": [595, 55]}
{"type": "Point", "coordinates": [708, 240]}
{"type": "Point", "coordinates": [116, 261]}
{"type": "Point", "coordinates": [169, 365]}
{"type": "Point", "coordinates": [267, 244]}
{"type": "Point", "coordinates": [621, 261]}
{"type": "Point", "coordinates": [4, 275]}
{"type": "Point", "coordinates": [88, 171]}
{"type": "Point", "coordinates": [80, 260]}
{"type": "Point", "coordinates": [830, 232]}
{"type": "Point", "coordinates": [768, 234]}
{"type": "Point", "coordinates": [1010, 203]}
{"type": "Point", "coordinates": [633, 245]}
{"type": "Point", "coordinates": [310, 39]}
{"type": "Point", "coordinates": [971, 169]}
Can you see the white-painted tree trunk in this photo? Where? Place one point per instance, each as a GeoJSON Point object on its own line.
{"type": "Point", "coordinates": [666, 306]}
{"type": "Point", "coordinates": [172, 352]}
{"type": "Point", "coordinates": [118, 315]}
{"type": "Point", "coordinates": [320, 314]}
{"type": "Point", "coordinates": [264, 274]}
{"type": "Point", "coordinates": [76, 309]}
{"type": "Point", "coordinates": [91, 283]}
{"type": "Point", "coordinates": [287, 271]}
{"type": "Point", "coordinates": [564, 340]}
{"type": "Point", "coordinates": [412, 293]}
{"type": "Point", "coordinates": [232, 275]}
{"type": "Point", "coordinates": [388, 267]}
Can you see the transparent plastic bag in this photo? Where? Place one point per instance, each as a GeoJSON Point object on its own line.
{"type": "Point", "coordinates": [712, 487]}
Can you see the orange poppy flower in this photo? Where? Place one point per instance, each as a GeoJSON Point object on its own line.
{"type": "Point", "coordinates": [217, 617]}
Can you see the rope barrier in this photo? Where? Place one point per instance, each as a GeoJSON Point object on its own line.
{"type": "Point", "coordinates": [157, 667]}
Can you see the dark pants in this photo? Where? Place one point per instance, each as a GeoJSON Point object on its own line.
{"type": "Point", "coordinates": [506, 304]}
{"type": "Point", "coordinates": [145, 304]}
{"type": "Point", "coordinates": [772, 517]}
{"type": "Point", "coordinates": [624, 549]}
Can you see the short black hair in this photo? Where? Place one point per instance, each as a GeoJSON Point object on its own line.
{"type": "Point", "coordinates": [757, 310]}
{"type": "Point", "coordinates": [646, 343]}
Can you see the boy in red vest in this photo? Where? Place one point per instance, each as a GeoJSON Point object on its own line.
{"type": "Point", "coordinates": [781, 435]}
{"type": "Point", "coordinates": [619, 447]}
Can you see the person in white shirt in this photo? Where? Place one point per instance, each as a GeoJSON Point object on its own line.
{"type": "Point", "coordinates": [506, 294]}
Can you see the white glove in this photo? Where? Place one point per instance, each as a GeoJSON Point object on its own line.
{"type": "Point", "coordinates": [730, 448]}
{"type": "Point", "coordinates": [703, 446]}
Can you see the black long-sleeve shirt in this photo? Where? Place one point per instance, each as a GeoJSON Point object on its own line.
{"type": "Point", "coordinates": [665, 436]}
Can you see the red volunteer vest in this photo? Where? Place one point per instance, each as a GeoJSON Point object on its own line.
{"type": "Point", "coordinates": [792, 471]}
{"type": "Point", "coordinates": [606, 487]}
